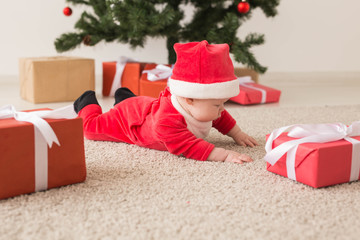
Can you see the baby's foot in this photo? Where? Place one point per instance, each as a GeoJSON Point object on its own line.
{"type": "Point", "coordinates": [122, 94]}
{"type": "Point", "coordinates": [85, 99]}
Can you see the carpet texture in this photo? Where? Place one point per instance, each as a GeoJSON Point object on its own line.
{"type": "Point", "coordinates": [138, 193]}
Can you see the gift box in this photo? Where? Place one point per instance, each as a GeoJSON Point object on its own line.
{"type": "Point", "coordinates": [317, 155]}
{"type": "Point", "coordinates": [28, 163]}
{"type": "Point", "coordinates": [154, 79]}
{"type": "Point", "coordinates": [243, 72]}
{"type": "Point", "coordinates": [121, 74]}
{"type": "Point", "coordinates": [55, 79]}
{"type": "Point", "coordinates": [254, 93]}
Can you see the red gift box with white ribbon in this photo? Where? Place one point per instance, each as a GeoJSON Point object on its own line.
{"type": "Point", "coordinates": [254, 93]}
{"type": "Point", "coordinates": [39, 150]}
{"type": "Point", "coordinates": [154, 79]}
{"type": "Point", "coordinates": [317, 155]}
{"type": "Point", "coordinates": [125, 72]}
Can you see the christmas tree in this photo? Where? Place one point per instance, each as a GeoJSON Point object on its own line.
{"type": "Point", "coordinates": [133, 21]}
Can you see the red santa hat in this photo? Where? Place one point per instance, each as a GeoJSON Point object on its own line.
{"type": "Point", "coordinates": [203, 71]}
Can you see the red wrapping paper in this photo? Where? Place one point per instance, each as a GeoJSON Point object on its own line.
{"type": "Point", "coordinates": [152, 88]}
{"type": "Point", "coordinates": [249, 96]}
{"type": "Point", "coordinates": [317, 164]}
{"type": "Point", "coordinates": [66, 163]}
{"type": "Point", "coordinates": [130, 77]}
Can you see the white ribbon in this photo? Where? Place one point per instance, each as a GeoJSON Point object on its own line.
{"type": "Point", "coordinates": [120, 66]}
{"type": "Point", "coordinates": [313, 133]}
{"type": "Point", "coordinates": [44, 136]}
{"type": "Point", "coordinates": [159, 72]}
{"type": "Point", "coordinates": [244, 81]}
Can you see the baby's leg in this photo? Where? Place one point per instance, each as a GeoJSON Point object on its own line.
{"type": "Point", "coordinates": [97, 125]}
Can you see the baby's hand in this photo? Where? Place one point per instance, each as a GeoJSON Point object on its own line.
{"type": "Point", "coordinates": [244, 140]}
{"type": "Point", "coordinates": [224, 155]}
{"type": "Point", "coordinates": [236, 157]}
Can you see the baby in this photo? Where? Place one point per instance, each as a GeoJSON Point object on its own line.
{"type": "Point", "coordinates": [202, 81]}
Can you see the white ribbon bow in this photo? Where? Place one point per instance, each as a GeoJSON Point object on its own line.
{"type": "Point", "coordinates": [44, 135]}
{"type": "Point", "coordinates": [313, 133]}
{"type": "Point", "coordinates": [120, 66]}
{"type": "Point", "coordinates": [36, 118]}
{"type": "Point", "coordinates": [159, 72]}
{"type": "Point", "coordinates": [244, 81]}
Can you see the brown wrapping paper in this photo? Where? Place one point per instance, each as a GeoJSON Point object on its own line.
{"type": "Point", "coordinates": [242, 72]}
{"type": "Point", "coordinates": [55, 79]}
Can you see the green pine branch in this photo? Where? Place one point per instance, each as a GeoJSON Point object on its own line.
{"type": "Point", "coordinates": [242, 53]}
{"type": "Point", "coordinates": [68, 41]}
{"type": "Point", "coordinates": [133, 21]}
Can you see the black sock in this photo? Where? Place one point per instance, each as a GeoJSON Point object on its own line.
{"type": "Point", "coordinates": [85, 99]}
{"type": "Point", "coordinates": [122, 94]}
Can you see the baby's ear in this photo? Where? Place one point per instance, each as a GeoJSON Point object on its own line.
{"type": "Point", "coordinates": [189, 101]}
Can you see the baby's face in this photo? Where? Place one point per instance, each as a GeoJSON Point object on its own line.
{"type": "Point", "coordinates": [205, 110]}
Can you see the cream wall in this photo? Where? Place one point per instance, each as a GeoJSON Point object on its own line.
{"type": "Point", "coordinates": [307, 35]}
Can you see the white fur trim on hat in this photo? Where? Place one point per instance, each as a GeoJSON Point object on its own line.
{"type": "Point", "coordinates": [218, 90]}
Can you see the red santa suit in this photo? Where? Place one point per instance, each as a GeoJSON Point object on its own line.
{"type": "Point", "coordinates": [154, 123]}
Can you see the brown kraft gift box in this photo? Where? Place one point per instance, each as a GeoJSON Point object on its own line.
{"type": "Point", "coordinates": [243, 72]}
{"type": "Point", "coordinates": [55, 79]}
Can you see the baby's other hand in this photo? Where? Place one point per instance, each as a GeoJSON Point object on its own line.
{"type": "Point", "coordinates": [236, 157]}
{"type": "Point", "coordinates": [244, 140]}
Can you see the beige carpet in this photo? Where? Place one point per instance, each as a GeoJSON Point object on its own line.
{"type": "Point", "coordinates": [137, 193]}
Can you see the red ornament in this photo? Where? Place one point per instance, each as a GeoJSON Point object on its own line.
{"type": "Point", "coordinates": [67, 11]}
{"type": "Point", "coordinates": [243, 7]}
